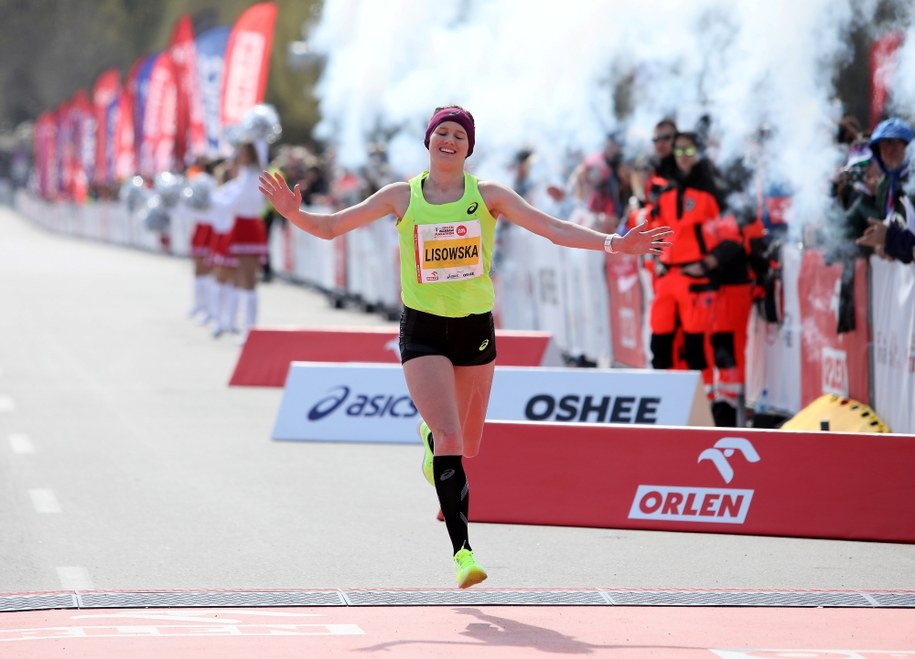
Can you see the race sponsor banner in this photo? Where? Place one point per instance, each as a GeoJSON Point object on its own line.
{"type": "Point", "coordinates": [247, 62]}
{"type": "Point", "coordinates": [140, 90]}
{"type": "Point", "coordinates": [189, 131]}
{"type": "Point", "coordinates": [627, 310]}
{"type": "Point", "coordinates": [832, 363]}
{"type": "Point", "coordinates": [710, 480]}
{"type": "Point", "coordinates": [104, 96]}
{"type": "Point", "coordinates": [210, 52]}
{"type": "Point", "coordinates": [125, 147]}
{"type": "Point", "coordinates": [265, 358]}
{"type": "Point", "coordinates": [893, 290]}
{"type": "Point", "coordinates": [44, 139]}
{"type": "Point", "coordinates": [370, 403]}
{"type": "Point", "coordinates": [157, 150]}
{"type": "Point", "coordinates": [883, 63]}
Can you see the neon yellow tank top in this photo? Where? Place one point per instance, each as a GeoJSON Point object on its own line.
{"type": "Point", "coordinates": [446, 252]}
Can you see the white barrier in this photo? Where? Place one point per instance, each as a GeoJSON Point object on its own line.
{"type": "Point", "coordinates": [325, 401]}
{"type": "Point", "coordinates": [892, 301]}
{"type": "Point", "coordinates": [774, 351]}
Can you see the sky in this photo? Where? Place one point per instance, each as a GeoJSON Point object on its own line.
{"type": "Point", "coordinates": [542, 75]}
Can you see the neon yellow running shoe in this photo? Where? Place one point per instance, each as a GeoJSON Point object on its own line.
{"type": "Point", "coordinates": [469, 572]}
{"type": "Point", "coordinates": [424, 434]}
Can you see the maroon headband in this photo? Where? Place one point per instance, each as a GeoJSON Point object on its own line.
{"type": "Point", "coordinates": [458, 116]}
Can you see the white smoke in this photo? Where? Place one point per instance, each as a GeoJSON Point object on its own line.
{"type": "Point", "coordinates": [545, 75]}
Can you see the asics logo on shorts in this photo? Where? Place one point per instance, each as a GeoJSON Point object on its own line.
{"type": "Point", "coordinates": [448, 473]}
{"type": "Point", "coordinates": [483, 345]}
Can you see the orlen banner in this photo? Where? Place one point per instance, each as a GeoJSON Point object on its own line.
{"type": "Point", "coordinates": [717, 480]}
{"type": "Point", "coordinates": [370, 403]}
{"type": "Point", "coordinates": [247, 62]}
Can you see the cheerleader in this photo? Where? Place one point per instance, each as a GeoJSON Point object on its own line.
{"type": "Point", "coordinates": [244, 247]}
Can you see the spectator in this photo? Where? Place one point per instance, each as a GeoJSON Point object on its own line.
{"type": "Point", "coordinates": [664, 163]}
{"type": "Point", "coordinates": [888, 145]}
{"type": "Point", "coordinates": [867, 177]}
{"type": "Point", "coordinates": [896, 241]}
{"type": "Point", "coordinates": [684, 293]}
{"type": "Point", "coordinates": [595, 184]}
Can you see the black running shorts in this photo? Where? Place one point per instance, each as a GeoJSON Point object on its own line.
{"type": "Point", "coordinates": [467, 341]}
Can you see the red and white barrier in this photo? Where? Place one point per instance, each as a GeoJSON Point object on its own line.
{"type": "Point", "coordinates": [831, 363]}
{"type": "Point", "coordinates": [268, 352]}
{"type": "Point", "coordinates": [761, 482]}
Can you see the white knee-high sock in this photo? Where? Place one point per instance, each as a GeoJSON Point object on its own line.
{"type": "Point", "coordinates": [250, 309]}
{"type": "Point", "coordinates": [209, 295]}
{"type": "Point", "coordinates": [231, 308]}
{"type": "Point", "coordinates": [220, 299]}
{"type": "Point", "coordinates": [200, 293]}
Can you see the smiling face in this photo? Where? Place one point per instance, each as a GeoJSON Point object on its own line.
{"type": "Point", "coordinates": [686, 154]}
{"type": "Point", "coordinates": [449, 140]}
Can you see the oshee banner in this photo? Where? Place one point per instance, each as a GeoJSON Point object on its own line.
{"type": "Point", "coordinates": [370, 402]}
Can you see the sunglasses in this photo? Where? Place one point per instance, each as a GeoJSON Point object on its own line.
{"type": "Point", "coordinates": [662, 138]}
{"type": "Point", "coordinates": [685, 151]}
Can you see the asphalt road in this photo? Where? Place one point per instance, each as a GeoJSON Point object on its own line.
{"type": "Point", "coordinates": [128, 463]}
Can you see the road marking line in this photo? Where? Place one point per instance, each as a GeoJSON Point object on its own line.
{"type": "Point", "coordinates": [45, 501]}
{"type": "Point", "coordinates": [6, 403]}
{"type": "Point", "coordinates": [74, 578]}
{"type": "Point", "coordinates": [21, 444]}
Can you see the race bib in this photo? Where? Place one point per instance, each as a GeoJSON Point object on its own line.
{"type": "Point", "coordinates": [448, 252]}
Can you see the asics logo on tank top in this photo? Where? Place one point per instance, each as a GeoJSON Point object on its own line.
{"type": "Point", "coordinates": [472, 208]}
{"type": "Point", "coordinates": [690, 204]}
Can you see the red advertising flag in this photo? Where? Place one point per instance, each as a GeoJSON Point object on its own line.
{"type": "Point", "coordinates": [190, 137]}
{"type": "Point", "coordinates": [45, 147]}
{"type": "Point", "coordinates": [247, 62]}
{"type": "Point", "coordinates": [882, 65]}
{"type": "Point", "coordinates": [125, 147]}
{"type": "Point", "coordinates": [78, 146]}
{"type": "Point", "coordinates": [104, 93]}
{"type": "Point", "coordinates": [157, 151]}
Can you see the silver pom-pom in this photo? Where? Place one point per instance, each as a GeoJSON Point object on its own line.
{"type": "Point", "coordinates": [196, 194]}
{"type": "Point", "coordinates": [261, 123]}
{"type": "Point", "coordinates": [169, 186]}
{"type": "Point", "coordinates": [153, 215]}
{"type": "Point", "coordinates": [234, 134]}
{"type": "Point", "coordinates": [133, 193]}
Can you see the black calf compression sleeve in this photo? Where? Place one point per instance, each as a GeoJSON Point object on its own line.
{"type": "Point", "coordinates": [453, 497]}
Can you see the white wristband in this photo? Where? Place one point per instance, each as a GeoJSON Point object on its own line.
{"type": "Point", "coordinates": [608, 243]}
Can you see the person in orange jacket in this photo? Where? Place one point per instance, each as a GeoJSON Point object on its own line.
{"type": "Point", "coordinates": [684, 293]}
